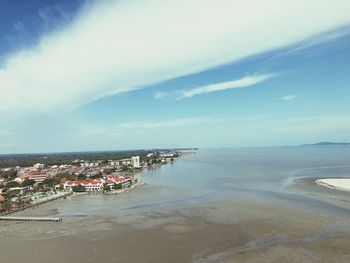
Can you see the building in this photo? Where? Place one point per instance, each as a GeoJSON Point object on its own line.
{"type": "Point", "coordinates": [90, 185]}
{"type": "Point", "coordinates": [135, 161]}
{"type": "Point", "coordinates": [38, 178]}
{"type": "Point", "coordinates": [39, 166]}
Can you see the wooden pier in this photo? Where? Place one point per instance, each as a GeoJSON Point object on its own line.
{"type": "Point", "coordinates": [41, 219]}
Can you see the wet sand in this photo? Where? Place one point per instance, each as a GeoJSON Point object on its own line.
{"type": "Point", "coordinates": [226, 229]}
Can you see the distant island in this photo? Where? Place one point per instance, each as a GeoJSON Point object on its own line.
{"type": "Point", "coordinates": [328, 144]}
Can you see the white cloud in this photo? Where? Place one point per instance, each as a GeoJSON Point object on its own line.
{"type": "Point", "coordinates": [289, 97]}
{"type": "Point", "coordinates": [233, 84]}
{"type": "Point", "coordinates": [119, 46]}
{"type": "Point", "coordinates": [9, 144]}
{"type": "Point", "coordinates": [160, 95]}
{"type": "Point", "coordinates": [164, 124]}
{"type": "Point", "coordinates": [186, 121]}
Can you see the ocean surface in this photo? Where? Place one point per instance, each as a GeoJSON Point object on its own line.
{"type": "Point", "coordinates": [193, 179]}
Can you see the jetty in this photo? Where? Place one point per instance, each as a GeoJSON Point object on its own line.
{"type": "Point", "coordinates": [21, 218]}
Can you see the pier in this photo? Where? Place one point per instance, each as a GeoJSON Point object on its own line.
{"type": "Point", "coordinates": [21, 218]}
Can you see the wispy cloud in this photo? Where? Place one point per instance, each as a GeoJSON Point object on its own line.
{"type": "Point", "coordinates": [289, 97]}
{"type": "Point", "coordinates": [233, 84]}
{"type": "Point", "coordinates": [118, 46]}
{"type": "Point", "coordinates": [186, 121]}
{"type": "Point", "coordinates": [8, 144]}
{"type": "Point", "coordinates": [164, 124]}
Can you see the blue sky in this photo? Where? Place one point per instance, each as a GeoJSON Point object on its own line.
{"type": "Point", "coordinates": [110, 75]}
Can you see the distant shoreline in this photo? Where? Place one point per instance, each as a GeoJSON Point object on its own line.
{"type": "Point", "coordinates": [328, 144]}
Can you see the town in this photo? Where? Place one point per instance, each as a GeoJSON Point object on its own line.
{"type": "Point", "coordinates": [24, 187]}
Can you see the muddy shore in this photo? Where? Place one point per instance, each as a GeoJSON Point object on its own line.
{"type": "Point", "coordinates": [240, 229]}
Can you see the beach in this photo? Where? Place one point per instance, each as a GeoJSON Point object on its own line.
{"type": "Point", "coordinates": [336, 183]}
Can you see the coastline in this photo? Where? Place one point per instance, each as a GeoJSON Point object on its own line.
{"type": "Point", "coordinates": [38, 203]}
{"type": "Point", "coordinates": [71, 194]}
{"type": "Point", "coordinates": [341, 184]}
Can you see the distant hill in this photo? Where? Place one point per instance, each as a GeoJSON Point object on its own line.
{"type": "Point", "coordinates": [328, 144]}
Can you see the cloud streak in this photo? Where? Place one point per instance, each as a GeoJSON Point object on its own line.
{"type": "Point", "coordinates": [113, 47]}
{"type": "Point", "coordinates": [288, 97]}
{"type": "Point", "coordinates": [233, 84]}
{"type": "Point", "coordinates": [186, 122]}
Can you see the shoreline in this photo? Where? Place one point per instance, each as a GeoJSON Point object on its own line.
{"type": "Point", "coordinates": [72, 194]}
{"type": "Point", "coordinates": [341, 184]}
{"type": "Point", "coordinates": [37, 204]}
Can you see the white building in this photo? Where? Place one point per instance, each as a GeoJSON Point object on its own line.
{"type": "Point", "coordinates": [135, 161]}
{"type": "Point", "coordinates": [93, 185]}
{"type": "Point", "coordinates": [39, 166]}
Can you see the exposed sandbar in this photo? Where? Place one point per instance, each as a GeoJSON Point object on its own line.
{"type": "Point", "coordinates": [335, 183]}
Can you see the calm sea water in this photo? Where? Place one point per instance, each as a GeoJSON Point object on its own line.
{"type": "Point", "coordinates": [193, 179]}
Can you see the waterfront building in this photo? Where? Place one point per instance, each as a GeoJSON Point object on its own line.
{"type": "Point", "coordinates": [90, 185]}
{"type": "Point", "coordinates": [135, 161]}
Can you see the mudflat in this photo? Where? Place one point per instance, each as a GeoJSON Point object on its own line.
{"type": "Point", "coordinates": [226, 229]}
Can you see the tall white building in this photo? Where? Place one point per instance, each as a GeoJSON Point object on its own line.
{"type": "Point", "coordinates": [39, 166]}
{"type": "Point", "coordinates": [135, 161]}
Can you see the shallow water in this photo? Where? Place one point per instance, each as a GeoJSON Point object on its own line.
{"type": "Point", "coordinates": [194, 179]}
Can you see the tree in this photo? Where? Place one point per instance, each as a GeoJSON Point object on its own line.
{"type": "Point", "coordinates": [12, 184]}
{"type": "Point", "coordinates": [49, 182]}
{"type": "Point", "coordinates": [78, 189]}
{"type": "Point", "coordinates": [106, 188]}
{"type": "Point", "coordinates": [6, 205]}
{"type": "Point", "coordinates": [98, 175]}
{"type": "Point", "coordinates": [81, 176]}
{"type": "Point", "coordinates": [118, 186]}
{"type": "Point", "coordinates": [61, 188]}
{"type": "Point", "coordinates": [109, 171]}
{"type": "Point", "coordinates": [9, 175]}
{"type": "Point", "coordinates": [28, 182]}
{"type": "Point", "coordinates": [66, 175]}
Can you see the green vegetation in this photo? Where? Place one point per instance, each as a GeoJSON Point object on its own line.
{"type": "Point", "coordinates": [49, 182]}
{"type": "Point", "coordinates": [8, 175]}
{"type": "Point", "coordinates": [78, 189]}
{"type": "Point", "coordinates": [12, 160]}
{"type": "Point", "coordinates": [81, 177]}
{"type": "Point", "coordinates": [58, 177]}
{"type": "Point", "coordinates": [106, 188]}
{"type": "Point", "coordinates": [25, 160]}
{"type": "Point", "coordinates": [118, 186]}
{"type": "Point", "coordinates": [12, 184]}
{"type": "Point", "coordinates": [28, 182]}
{"type": "Point", "coordinates": [109, 171]}
{"type": "Point", "coordinates": [99, 175]}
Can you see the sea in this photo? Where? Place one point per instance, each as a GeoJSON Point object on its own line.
{"type": "Point", "coordinates": [207, 174]}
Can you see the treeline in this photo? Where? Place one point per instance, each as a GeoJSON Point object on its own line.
{"type": "Point", "coordinates": [12, 160]}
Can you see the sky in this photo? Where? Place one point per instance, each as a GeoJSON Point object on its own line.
{"type": "Point", "coordinates": [85, 75]}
